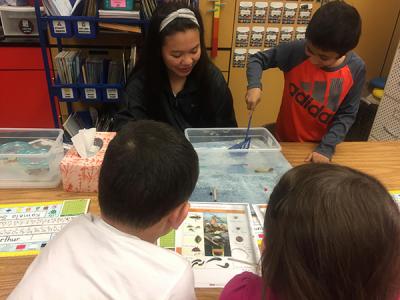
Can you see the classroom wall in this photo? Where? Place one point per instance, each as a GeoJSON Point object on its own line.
{"type": "Point", "coordinates": [381, 33]}
{"type": "Point", "coordinates": [379, 22]}
{"type": "Point", "coordinates": [225, 22]}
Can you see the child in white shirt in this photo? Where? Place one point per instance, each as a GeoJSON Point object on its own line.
{"type": "Point", "coordinates": [148, 173]}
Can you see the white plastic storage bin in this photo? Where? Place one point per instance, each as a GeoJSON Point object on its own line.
{"type": "Point", "coordinates": [222, 138]}
{"type": "Point", "coordinates": [19, 21]}
{"type": "Point", "coordinates": [30, 158]}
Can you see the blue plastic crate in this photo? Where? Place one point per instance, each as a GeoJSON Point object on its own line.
{"type": "Point", "coordinates": [67, 92]}
{"type": "Point", "coordinates": [84, 27]}
{"type": "Point", "coordinates": [91, 92]}
{"type": "Point", "coordinates": [60, 27]}
{"type": "Point", "coordinates": [112, 92]}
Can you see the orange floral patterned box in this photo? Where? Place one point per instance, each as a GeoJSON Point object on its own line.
{"type": "Point", "coordinates": [82, 174]}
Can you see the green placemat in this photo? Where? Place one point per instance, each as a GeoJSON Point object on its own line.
{"type": "Point", "coordinates": [168, 240]}
{"type": "Point", "coordinates": [74, 207]}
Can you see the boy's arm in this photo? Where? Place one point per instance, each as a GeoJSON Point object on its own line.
{"type": "Point", "coordinates": [259, 62]}
{"type": "Point", "coordinates": [344, 117]}
{"type": "Point", "coordinates": [285, 56]}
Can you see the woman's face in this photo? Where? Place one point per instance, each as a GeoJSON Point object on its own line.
{"type": "Point", "coordinates": [181, 51]}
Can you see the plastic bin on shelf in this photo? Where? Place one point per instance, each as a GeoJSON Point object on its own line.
{"type": "Point", "coordinates": [84, 27]}
{"type": "Point", "coordinates": [72, 26]}
{"type": "Point", "coordinates": [67, 92]}
{"type": "Point", "coordinates": [112, 92]}
{"type": "Point", "coordinates": [60, 27]}
{"type": "Point", "coordinates": [19, 21]}
{"type": "Point", "coordinates": [88, 92]}
{"type": "Point", "coordinates": [91, 92]}
{"type": "Point", "coordinates": [30, 158]}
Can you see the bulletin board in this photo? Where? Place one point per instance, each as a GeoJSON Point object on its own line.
{"type": "Point", "coordinates": [264, 24]}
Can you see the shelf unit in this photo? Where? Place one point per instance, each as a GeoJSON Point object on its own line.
{"type": "Point", "coordinates": [386, 125]}
{"type": "Point", "coordinates": [80, 27]}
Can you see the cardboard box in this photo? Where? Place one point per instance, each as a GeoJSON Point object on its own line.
{"type": "Point", "coordinates": [82, 174]}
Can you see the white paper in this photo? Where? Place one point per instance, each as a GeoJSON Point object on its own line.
{"type": "Point", "coordinates": [84, 142]}
{"type": "Point", "coordinates": [219, 242]}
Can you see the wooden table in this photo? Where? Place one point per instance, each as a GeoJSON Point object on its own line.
{"type": "Point", "coordinates": [381, 159]}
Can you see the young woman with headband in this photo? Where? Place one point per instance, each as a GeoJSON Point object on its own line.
{"type": "Point", "coordinates": [174, 80]}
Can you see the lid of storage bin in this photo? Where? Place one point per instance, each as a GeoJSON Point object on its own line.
{"type": "Point", "coordinates": [19, 8]}
{"type": "Point", "coordinates": [20, 142]}
{"type": "Point", "coordinates": [221, 139]}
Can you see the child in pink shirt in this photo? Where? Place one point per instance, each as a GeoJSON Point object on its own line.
{"type": "Point", "coordinates": [331, 233]}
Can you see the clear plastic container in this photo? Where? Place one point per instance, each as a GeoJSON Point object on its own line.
{"type": "Point", "coordinates": [236, 175]}
{"type": "Point", "coordinates": [30, 158]}
{"type": "Point", "coordinates": [223, 138]}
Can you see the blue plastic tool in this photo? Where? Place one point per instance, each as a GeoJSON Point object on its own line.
{"type": "Point", "coordinates": [246, 142]}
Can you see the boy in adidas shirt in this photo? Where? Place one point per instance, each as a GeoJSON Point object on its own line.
{"type": "Point", "coordinates": [323, 80]}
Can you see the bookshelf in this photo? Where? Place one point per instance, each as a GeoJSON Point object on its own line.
{"type": "Point", "coordinates": [77, 29]}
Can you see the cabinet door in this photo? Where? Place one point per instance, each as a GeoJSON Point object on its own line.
{"type": "Point", "coordinates": [225, 22]}
{"type": "Point", "coordinates": [24, 99]}
{"type": "Point", "coordinates": [379, 22]}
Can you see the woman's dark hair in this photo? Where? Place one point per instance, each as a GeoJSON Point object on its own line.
{"type": "Point", "coordinates": [151, 61]}
{"type": "Point", "coordinates": [336, 27]}
{"type": "Point", "coordinates": [331, 233]}
{"type": "Point", "coordinates": [149, 169]}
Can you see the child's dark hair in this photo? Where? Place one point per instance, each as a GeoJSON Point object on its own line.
{"type": "Point", "coordinates": [331, 233]}
{"type": "Point", "coordinates": [335, 27]}
{"type": "Point", "coordinates": [151, 61]}
{"type": "Point", "coordinates": [148, 170]}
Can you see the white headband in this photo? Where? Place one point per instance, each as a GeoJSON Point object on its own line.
{"type": "Point", "coordinates": [180, 13]}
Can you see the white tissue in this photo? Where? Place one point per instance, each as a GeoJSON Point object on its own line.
{"type": "Point", "coordinates": [83, 142]}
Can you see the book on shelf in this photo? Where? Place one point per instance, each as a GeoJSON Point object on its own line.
{"type": "Point", "coordinates": [121, 27]}
{"type": "Point", "coordinates": [119, 14]}
{"type": "Point", "coordinates": [115, 72]}
{"type": "Point", "coordinates": [68, 66]}
{"type": "Point", "coordinates": [70, 7]}
{"type": "Point", "coordinates": [119, 4]}
{"type": "Point", "coordinates": [148, 7]}
{"type": "Point", "coordinates": [58, 8]}
{"type": "Point", "coordinates": [74, 66]}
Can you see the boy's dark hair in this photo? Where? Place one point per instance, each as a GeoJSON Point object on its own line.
{"type": "Point", "coordinates": [336, 27]}
{"type": "Point", "coordinates": [149, 169]}
{"type": "Point", "coordinates": [331, 233]}
{"type": "Point", "coordinates": [152, 63]}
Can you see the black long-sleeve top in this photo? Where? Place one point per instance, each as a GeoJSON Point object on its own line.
{"type": "Point", "coordinates": [183, 110]}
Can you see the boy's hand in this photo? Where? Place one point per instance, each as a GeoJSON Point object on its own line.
{"type": "Point", "coordinates": [316, 157]}
{"type": "Point", "coordinates": [253, 97]}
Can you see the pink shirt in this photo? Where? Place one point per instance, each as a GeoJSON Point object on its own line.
{"type": "Point", "coordinates": [245, 286]}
